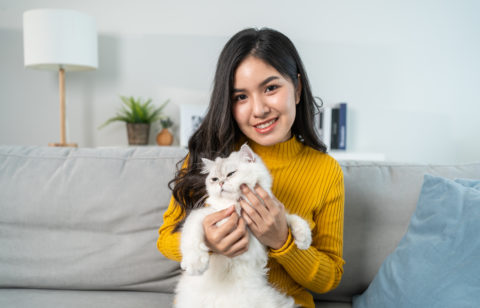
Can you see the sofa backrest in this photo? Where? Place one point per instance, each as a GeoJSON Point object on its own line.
{"type": "Point", "coordinates": [88, 218]}
{"type": "Point", "coordinates": [379, 201]}
{"type": "Point", "coordinates": [85, 218]}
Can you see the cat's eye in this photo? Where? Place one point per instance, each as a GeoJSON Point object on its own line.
{"type": "Point", "coordinates": [231, 173]}
{"type": "Point", "coordinates": [214, 179]}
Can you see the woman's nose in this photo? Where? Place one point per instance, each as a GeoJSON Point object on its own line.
{"type": "Point", "coordinates": [260, 109]}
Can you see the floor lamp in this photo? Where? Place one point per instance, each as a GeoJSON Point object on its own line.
{"type": "Point", "coordinates": [60, 40]}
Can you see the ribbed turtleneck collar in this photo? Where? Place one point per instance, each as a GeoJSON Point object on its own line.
{"type": "Point", "coordinates": [283, 151]}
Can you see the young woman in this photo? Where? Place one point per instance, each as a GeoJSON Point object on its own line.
{"type": "Point", "coordinates": [262, 96]}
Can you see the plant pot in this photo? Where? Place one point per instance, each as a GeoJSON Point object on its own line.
{"type": "Point", "coordinates": [164, 137]}
{"type": "Point", "coordinates": [138, 133]}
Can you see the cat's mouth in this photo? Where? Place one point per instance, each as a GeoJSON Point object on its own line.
{"type": "Point", "coordinates": [226, 192]}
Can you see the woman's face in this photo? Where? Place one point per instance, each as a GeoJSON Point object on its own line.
{"type": "Point", "coordinates": [264, 102]}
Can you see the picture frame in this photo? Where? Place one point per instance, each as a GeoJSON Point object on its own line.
{"type": "Point", "coordinates": [191, 116]}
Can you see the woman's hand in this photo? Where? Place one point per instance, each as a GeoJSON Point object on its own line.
{"type": "Point", "coordinates": [231, 238]}
{"type": "Point", "coordinates": [265, 216]}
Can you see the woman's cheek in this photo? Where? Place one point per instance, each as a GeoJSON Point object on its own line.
{"type": "Point", "coordinates": [240, 112]}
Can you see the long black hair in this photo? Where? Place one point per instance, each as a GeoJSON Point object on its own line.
{"type": "Point", "coordinates": [219, 133]}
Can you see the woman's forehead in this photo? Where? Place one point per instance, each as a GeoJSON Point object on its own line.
{"type": "Point", "coordinates": [254, 71]}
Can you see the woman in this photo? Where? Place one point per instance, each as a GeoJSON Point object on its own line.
{"type": "Point", "coordinates": [262, 96]}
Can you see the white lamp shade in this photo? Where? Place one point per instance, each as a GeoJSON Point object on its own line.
{"type": "Point", "coordinates": [57, 38]}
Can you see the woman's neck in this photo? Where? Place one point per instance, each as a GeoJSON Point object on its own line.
{"type": "Point", "coordinates": [285, 150]}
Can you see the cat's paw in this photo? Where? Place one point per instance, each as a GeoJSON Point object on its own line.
{"type": "Point", "coordinates": [303, 240]}
{"type": "Point", "coordinates": [195, 264]}
{"type": "Point", "coordinates": [301, 233]}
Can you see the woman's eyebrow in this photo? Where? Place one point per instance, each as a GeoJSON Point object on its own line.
{"type": "Point", "coordinates": [262, 84]}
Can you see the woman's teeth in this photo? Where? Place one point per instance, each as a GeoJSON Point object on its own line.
{"type": "Point", "coordinates": [265, 125]}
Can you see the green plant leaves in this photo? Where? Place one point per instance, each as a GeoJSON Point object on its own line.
{"type": "Point", "coordinates": [135, 111]}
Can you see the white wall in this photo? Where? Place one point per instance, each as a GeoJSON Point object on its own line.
{"type": "Point", "coordinates": [408, 69]}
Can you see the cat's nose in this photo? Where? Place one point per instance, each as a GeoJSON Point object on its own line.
{"type": "Point", "coordinates": [221, 183]}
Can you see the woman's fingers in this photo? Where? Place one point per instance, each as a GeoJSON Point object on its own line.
{"type": "Point", "coordinates": [265, 216]}
{"type": "Point", "coordinates": [214, 234]}
{"type": "Point", "coordinates": [250, 214]}
{"type": "Point", "coordinates": [268, 201]}
{"type": "Point", "coordinates": [255, 204]}
{"type": "Point", "coordinates": [228, 238]}
{"type": "Point", "coordinates": [213, 218]}
{"type": "Point", "coordinates": [237, 241]}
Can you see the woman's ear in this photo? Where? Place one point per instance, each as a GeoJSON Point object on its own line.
{"type": "Point", "coordinates": [298, 90]}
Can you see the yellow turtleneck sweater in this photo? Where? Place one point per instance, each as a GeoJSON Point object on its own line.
{"type": "Point", "coordinates": [310, 184]}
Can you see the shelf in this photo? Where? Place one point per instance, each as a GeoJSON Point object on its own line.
{"type": "Point", "coordinates": [345, 155]}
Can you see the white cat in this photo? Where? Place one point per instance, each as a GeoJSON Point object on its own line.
{"type": "Point", "coordinates": [217, 281]}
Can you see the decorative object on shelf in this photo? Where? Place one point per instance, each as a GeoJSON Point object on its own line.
{"type": "Point", "coordinates": [60, 40]}
{"type": "Point", "coordinates": [191, 116]}
{"type": "Point", "coordinates": [165, 137]}
{"type": "Point", "coordinates": [138, 115]}
{"type": "Point", "coordinates": [332, 126]}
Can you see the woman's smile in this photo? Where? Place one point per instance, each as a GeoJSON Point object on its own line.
{"type": "Point", "coordinates": [266, 126]}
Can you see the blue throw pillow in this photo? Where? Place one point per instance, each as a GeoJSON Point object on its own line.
{"type": "Point", "coordinates": [437, 262]}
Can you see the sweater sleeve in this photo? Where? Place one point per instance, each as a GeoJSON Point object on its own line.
{"type": "Point", "coordinates": [320, 267]}
{"type": "Point", "coordinates": [168, 242]}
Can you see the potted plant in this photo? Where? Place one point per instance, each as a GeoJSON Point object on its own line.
{"type": "Point", "coordinates": [165, 137]}
{"type": "Point", "coordinates": [138, 115]}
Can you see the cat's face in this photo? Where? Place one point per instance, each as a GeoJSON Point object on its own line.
{"type": "Point", "coordinates": [223, 179]}
{"type": "Point", "coordinates": [225, 175]}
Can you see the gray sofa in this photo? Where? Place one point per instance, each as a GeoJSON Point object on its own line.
{"type": "Point", "coordinates": [78, 227]}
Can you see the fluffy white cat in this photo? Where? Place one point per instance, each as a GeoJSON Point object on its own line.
{"type": "Point", "coordinates": [217, 281]}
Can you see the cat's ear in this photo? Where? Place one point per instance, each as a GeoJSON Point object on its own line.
{"type": "Point", "coordinates": [207, 165]}
{"type": "Point", "coordinates": [247, 153]}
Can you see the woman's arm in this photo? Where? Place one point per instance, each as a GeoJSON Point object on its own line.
{"type": "Point", "coordinates": [320, 267]}
{"type": "Point", "coordinates": [168, 242]}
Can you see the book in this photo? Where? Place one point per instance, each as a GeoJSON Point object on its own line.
{"type": "Point", "coordinates": [335, 129]}
{"type": "Point", "coordinates": [324, 125]}
{"type": "Point", "coordinates": [331, 125]}
{"type": "Point", "coordinates": [342, 127]}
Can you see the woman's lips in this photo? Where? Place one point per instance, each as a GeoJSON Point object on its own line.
{"type": "Point", "coordinates": [266, 127]}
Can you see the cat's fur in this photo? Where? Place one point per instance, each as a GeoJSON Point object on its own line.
{"type": "Point", "coordinates": [216, 281]}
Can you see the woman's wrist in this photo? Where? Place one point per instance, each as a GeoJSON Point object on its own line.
{"type": "Point", "coordinates": [288, 241]}
{"type": "Point", "coordinates": [282, 241]}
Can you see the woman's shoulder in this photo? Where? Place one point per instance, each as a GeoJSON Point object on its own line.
{"type": "Point", "coordinates": [320, 157]}
{"type": "Point", "coordinates": [323, 162]}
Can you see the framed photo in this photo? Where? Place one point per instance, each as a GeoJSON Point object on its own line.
{"type": "Point", "coordinates": [191, 116]}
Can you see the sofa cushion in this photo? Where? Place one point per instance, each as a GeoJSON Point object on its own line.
{"type": "Point", "coordinates": [84, 218]}
{"type": "Point", "coordinates": [380, 198]}
{"type": "Point", "coordinates": [436, 263]}
{"type": "Point", "coordinates": [40, 298]}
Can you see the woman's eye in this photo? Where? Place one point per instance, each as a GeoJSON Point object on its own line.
{"type": "Point", "coordinates": [214, 179]}
{"type": "Point", "coordinates": [231, 173]}
{"type": "Point", "coordinates": [271, 88]}
{"type": "Point", "coordinates": [240, 97]}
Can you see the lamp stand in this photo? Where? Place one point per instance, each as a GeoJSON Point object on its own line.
{"type": "Point", "coordinates": [63, 139]}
